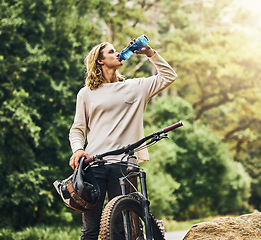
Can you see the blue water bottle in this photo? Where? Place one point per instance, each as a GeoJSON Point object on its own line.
{"type": "Point", "coordinates": [138, 44]}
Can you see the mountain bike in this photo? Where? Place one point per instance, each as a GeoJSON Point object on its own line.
{"type": "Point", "coordinates": [132, 208]}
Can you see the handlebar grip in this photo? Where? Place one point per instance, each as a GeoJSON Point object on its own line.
{"type": "Point", "coordinates": [87, 161]}
{"type": "Point", "coordinates": [172, 127]}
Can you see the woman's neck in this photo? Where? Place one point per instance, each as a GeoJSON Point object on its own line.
{"type": "Point", "coordinates": [110, 75]}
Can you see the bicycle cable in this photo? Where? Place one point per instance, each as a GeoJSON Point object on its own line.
{"type": "Point", "coordinates": [146, 145]}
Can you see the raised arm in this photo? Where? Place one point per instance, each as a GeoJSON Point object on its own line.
{"type": "Point", "coordinates": [165, 75]}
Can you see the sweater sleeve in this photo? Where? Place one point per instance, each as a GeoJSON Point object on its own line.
{"type": "Point", "coordinates": [165, 76]}
{"type": "Point", "coordinates": [77, 133]}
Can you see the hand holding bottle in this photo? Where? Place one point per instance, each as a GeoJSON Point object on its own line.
{"type": "Point", "coordinates": [147, 50]}
{"type": "Point", "coordinates": [138, 46]}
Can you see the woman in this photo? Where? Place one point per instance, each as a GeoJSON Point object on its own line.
{"type": "Point", "coordinates": [109, 114]}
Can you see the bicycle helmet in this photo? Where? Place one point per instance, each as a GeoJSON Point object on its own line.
{"type": "Point", "coordinates": [80, 191]}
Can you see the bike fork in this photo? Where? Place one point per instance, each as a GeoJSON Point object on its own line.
{"type": "Point", "coordinates": [126, 214]}
{"type": "Point", "coordinates": [145, 204]}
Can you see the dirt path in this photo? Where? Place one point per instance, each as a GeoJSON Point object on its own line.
{"type": "Point", "coordinates": [175, 235]}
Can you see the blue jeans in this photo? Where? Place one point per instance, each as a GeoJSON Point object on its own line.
{"type": "Point", "coordinates": [107, 177]}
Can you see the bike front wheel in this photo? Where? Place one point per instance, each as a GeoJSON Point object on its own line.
{"type": "Point", "coordinates": [113, 222]}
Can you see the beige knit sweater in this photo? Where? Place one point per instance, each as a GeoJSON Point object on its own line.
{"type": "Point", "coordinates": [111, 116]}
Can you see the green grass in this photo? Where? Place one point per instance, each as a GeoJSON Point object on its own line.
{"type": "Point", "coordinates": [171, 226]}
{"type": "Point", "coordinates": [42, 233]}
{"type": "Point", "coordinates": [74, 232]}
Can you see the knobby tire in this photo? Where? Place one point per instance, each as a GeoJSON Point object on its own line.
{"type": "Point", "coordinates": [114, 209]}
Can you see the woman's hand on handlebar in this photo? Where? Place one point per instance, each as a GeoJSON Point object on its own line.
{"type": "Point", "coordinates": [74, 160]}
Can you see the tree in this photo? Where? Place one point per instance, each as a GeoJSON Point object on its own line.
{"type": "Point", "coordinates": [204, 177]}
{"type": "Point", "coordinates": [41, 57]}
{"type": "Point", "coordinates": [43, 45]}
{"type": "Point", "coordinates": [212, 46]}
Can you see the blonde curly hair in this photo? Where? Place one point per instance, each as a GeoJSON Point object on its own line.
{"type": "Point", "coordinates": [94, 75]}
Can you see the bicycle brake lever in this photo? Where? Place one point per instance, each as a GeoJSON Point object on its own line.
{"type": "Point", "coordinates": [164, 136]}
{"type": "Point", "coordinates": [158, 137]}
{"type": "Point", "coordinates": [96, 161]}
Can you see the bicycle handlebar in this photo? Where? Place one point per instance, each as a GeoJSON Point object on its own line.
{"type": "Point", "coordinates": [172, 127]}
{"type": "Point", "coordinates": [131, 147]}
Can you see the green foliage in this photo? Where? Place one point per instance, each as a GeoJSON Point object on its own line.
{"type": "Point", "coordinates": [41, 58]}
{"type": "Point", "coordinates": [42, 47]}
{"type": "Point", "coordinates": [42, 233]}
{"type": "Point", "coordinates": [213, 47]}
{"type": "Point", "coordinates": [207, 180]}
{"type": "Point", "coordinates": [249, 157]}
{"type": "Point", "coordinates": [161, 184]}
